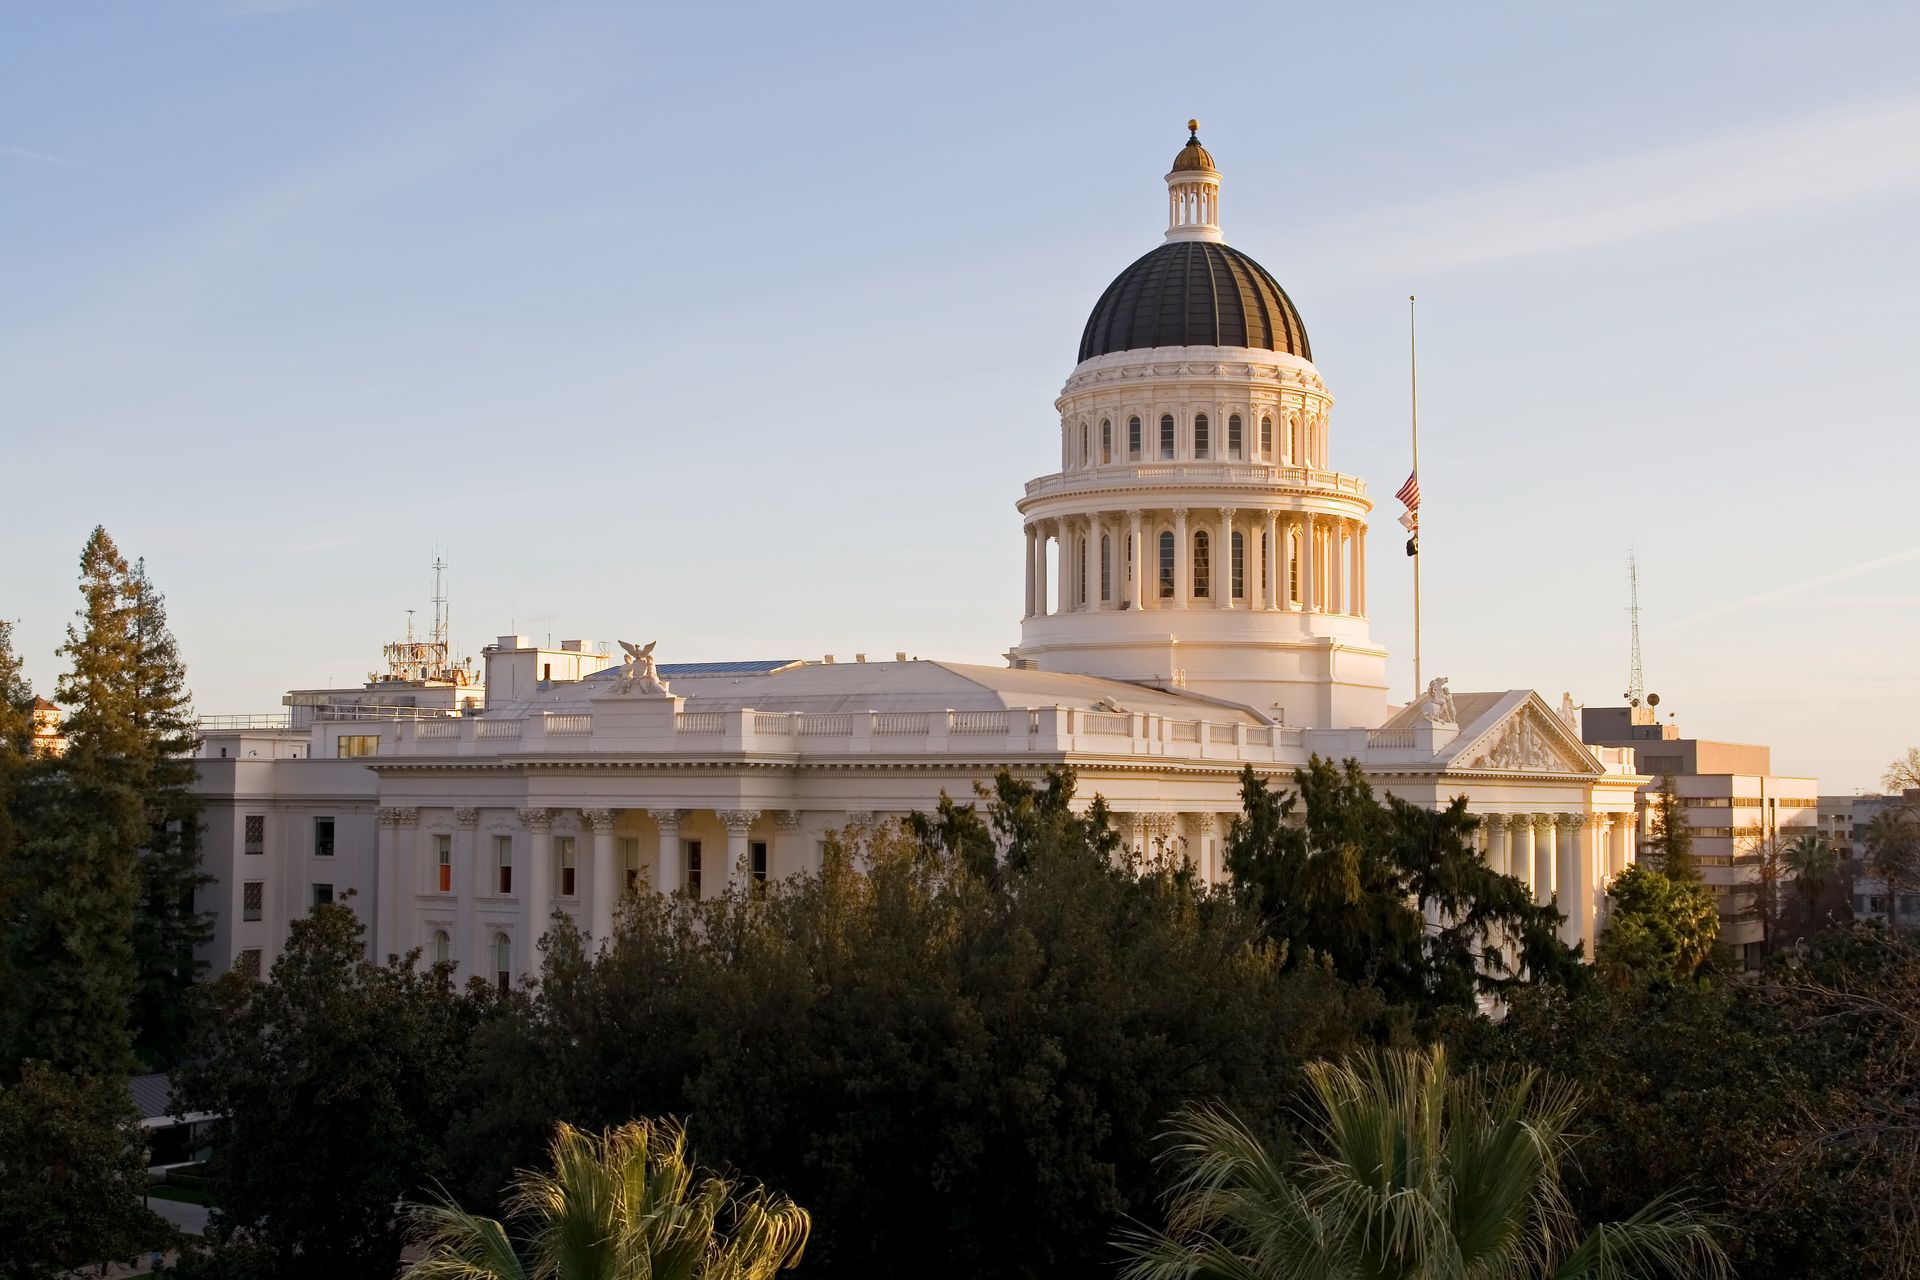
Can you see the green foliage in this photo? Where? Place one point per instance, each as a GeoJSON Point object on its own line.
{"type": "Point", "coordinates": [72, 1171]}
{"type": "Point", "coordinates": [1659, 930]}
{"type": "Point", "coordinates": [1669, 845]}
{"type": "Point", "coordinates": [1346, 886]}
{"type": "Point", "coordinates": [949, 1057]}
{"type": "Point", "coordinates": [335, 1081]}
{"type": "Point", "coordinates": [1893, 853]}
{"type": "Point", "coordinates": [1412, 1170]}
{"type": "Point", "coordinates": [628, 1205]}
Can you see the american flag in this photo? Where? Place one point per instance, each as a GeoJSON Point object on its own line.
{"type": "Point", "coordinates": [1410, 491]}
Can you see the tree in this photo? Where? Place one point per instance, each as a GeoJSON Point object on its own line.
{"type": "Point", "coordinates": [1354, 883]}
{"type": "Point", "coordinates": [1411, 1170]}
{"type": "Point", "coordinates": [16, 746]}
{"type": "Point", "coordinates": [335, 1079]}
{"type": "Point", "coordinates": [72, 1174]}
{"type": "Point", "coordinates": [1893, 854]}
{"type": "Point", "coordinates": [167, 929]}
{"type": "Point", "coordinates": [1903, 774]}
{"type": "Point", "coordinates": [627, 1205]}
{"type": "Point", "coordinates": [1659, 930]}
{"type": "Point", "coordinates": [1669, 845]}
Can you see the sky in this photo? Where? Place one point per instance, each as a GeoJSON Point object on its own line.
{"type": "Point", "coordinates": [737, 326]}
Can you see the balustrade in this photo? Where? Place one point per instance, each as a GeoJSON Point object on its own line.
{"type": "Point", "coordinates": [698, 722]}
{"type": "Point", "coordinates": [900, 724]}
{"type": "Point", "coordinates": [978, 722]}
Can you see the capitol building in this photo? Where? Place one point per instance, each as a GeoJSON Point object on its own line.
{"type": "Point", "coordinates": [1196, 602]}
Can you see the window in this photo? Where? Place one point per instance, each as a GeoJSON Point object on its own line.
{"type": "Point", "coordinates": [1266, 565]}
{"type": "Point", "coordinates": [692, 852]}
{"type": "Point", "coordinates": [1079, 570]}
{"type": "Point", "coordinates": [323, 837]}
{"type": "Point", "coordinates": [563, 847]}
{"type": "Point", "coordinates": [354, 745]}
{"type": "Point", "coordinates": [1106, 567]}
{"type": "Point", "coordinates": [1233, 436]}
{"type": "Point", "coordinates": [757, 862]}
{"type": "Point", "coordinates": [1166, 435]}
{"type": "Point", "coordinates": [502, 960]}
{"type": "Point", "coordinates": [442, 948]}
{"type": "Point", "coordinates": [1201, 567]}
{"type": "Point", "coordinates": [1133, 439]}
{"type": "Point", "coordinates": [630, 859]}
{"type": "Point", "coordinates": [248, 962]}
{"type": "Point", "coordinates": [503, 864]}
{"type": "Point", "coordinates": [1266, 438]}
{"type": "Point", "coordinates": [252, 894]}
{"type": "Point", "coordinates": [1199, 435]}
{"type": "Point", "coordinates": [256, 833]}
{"type": "Point", "coordinates": [1106, 440]}
{"type": "Point", "coordinates": [1293, 442]}
{"type": "Point", "coordinates": [1166, 566]}
{"type": "Point", "coordinates": [1085, 456]}
{"type": "Point", "coordinates": [322, 894]}
{"type": "Point", "coordinates": [1293, 567]}
{"type": "Point", "coordinates": [1239, 565]}
{"type": "Point", "coordinates": [443, 863]}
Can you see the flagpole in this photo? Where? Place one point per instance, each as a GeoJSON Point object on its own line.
{"type": "Point", "coordinates": [1413, 385]}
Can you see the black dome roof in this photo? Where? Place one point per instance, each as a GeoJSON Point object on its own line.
{"type": "Point", "coordinates": [1194, 293]}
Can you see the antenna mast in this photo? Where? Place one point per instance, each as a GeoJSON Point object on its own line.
{"type": "Point", "coordinates": [1636, 682]}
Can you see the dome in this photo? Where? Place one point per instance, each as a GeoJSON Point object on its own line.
{"type": "Point", "coordinates": [1194, 293]}
{"type": "Point", "coordinates": [1193, 156]}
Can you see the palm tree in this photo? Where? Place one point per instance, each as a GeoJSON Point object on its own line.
{"type": "Point", "coordinates": [625, 1205]}
{"type": "Point", "coordinates": [1893, 854]}
{"type": "Point", "coordinates": [1811, 860]}
{"type": "Point", "coordinates": [1411, 1171]}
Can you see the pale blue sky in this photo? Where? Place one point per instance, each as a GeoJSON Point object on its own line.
{"type": "Point", "coordinates": [738, 326]}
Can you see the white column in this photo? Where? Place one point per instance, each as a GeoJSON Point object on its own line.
{"type": "Point", "coordinates": [1571, 879]}
{"type": "Point", "coordinates": [1543, 858]}
{"type": "Point", "coordinates": [667, 877]}
{"type": "Point", "coordinates": [786, 845]}
{"type": "Point", "coordinates": [1520, 848]}
{"type": "Point", "coordinates": [738, 823]}
{"type": "Point", "coordinates": [1495, 825]}
{"type": "Point", "coordinates": [1137, 580]}
{"type": "Point", "coordinates": [1063, 602]}
{"type": "Point", "coordinates": [1104, 569]}
{"type": "Point", "coordinates": [466, 884]}
{"type": "Point", "coordinates": [386, 897]}
{"type": "Point", "coordinates": [1040, 570]}
{"type": "Point", "coordinates": [606, 872]}
{"type": "Point", "coordinates": [1617, 830]}
{"type": "Point", "coordinates": [1182, 560]}
{"type": "Point", "coordinates": [1308, 602]}
{"type": "Point", "coordinates": [1360, 569]}
{"type": "Point", "coordinates": [1277, 555]}
{"type": "Point", "coordinates": [1256, 566]}
{"type": "Point", "coordinates": [536, 893]}
{"type": "Point", "coordinates": [1026, 609]}
{"type": "Point", "coordinates": [1223, 559]}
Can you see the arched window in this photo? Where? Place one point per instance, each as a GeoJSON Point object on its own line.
{"type": "Point", "coordinates": [1080, 569]}
{"type": "Point", "coordinates": [1166, 435]}
{"type": "Point", "coordinates": [1233, 436]}
{"type": "Point", "coordinates": [1266, 566]}
{"type": "Point", "coordinates": [1199, 435]}
{"type": "Point", "coordinates": [1294, 454]}
{"type": "Point", "coordinates": [1166, 566]}
{"type": "Point", "coordinates": [1085, 456]}
{"type": "Point", "coordinates": [1202, 566]}
{"type": "Point", "coordinates": [502, 960]}
{"type": "Point", "coordinates": [1239, 565]}
{"type": "Point", "coordinates": [1106, 568]}
{"type": "Point", "coordinates": [1293, 568]}
{"type": "Point", "coordinates": [1266, 438]}
{"type": "Point", "coordinates": [1133, 439]}
{"type": "Point", "coordinates": [1106, 440]}
{"type": "Point", "coordinates": [442, 947]}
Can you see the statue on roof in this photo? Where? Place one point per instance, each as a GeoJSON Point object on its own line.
{"type": "Point", "coordinates": [1437, 704]}
{"type": "Point", "coordinates": [1570, 714]}
{"type": "Point", "coordinates": [639, 674]}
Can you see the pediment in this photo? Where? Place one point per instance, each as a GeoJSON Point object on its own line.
{"type": "Point", "coordinates": [1526, 737]}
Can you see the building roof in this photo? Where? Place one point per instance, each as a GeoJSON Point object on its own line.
{"type": "Point", "coordinates": [918, 685]}
{"type": "Point", "coordinates": [1193, 157]}
{"type": "Point", "coordinates": [41, 704]}
{"type": "Point", "coordinates": [1194, 293]}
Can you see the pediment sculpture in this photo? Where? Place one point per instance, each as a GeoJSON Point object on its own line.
{"type": "Point", "coordinates": [1521, 744]}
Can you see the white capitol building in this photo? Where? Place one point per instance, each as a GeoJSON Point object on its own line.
{"type": "Point", "coordinates": [1196, 602]}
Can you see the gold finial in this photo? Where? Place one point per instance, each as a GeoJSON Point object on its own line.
{"type": "Point", "coordinates": [1193, 127]}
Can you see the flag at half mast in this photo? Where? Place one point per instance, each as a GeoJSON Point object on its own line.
{"type": "Point", "coordinates": [1410, 495]}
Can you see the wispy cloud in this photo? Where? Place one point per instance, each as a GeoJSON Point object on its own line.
{"type": "Point", "coordinates": [1830, 160]}
{"type": "Point", "coordinates": [1781, 593]}
{"type": "Point", "coordinates": [21, 153]}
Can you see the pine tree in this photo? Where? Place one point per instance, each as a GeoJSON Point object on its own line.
{"type": "Point", "coordinates": [167, 929]}
{"type": "Point", "coordinates": [76, 881]}
{"type": "Point", "coordinates": [1670, 845]}
{"type": "Point", "coordinates": [16, 745]}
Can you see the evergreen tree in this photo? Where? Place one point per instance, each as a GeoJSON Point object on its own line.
{"type": "Point", "coordinates": [1670, 845]}
{"type": "Point", "coordinates": [167, 929]}
{"type": "Point", "coordinates": [16, 744]}
{"type": "Point", "coordinates": [1659, 930]}
{"type": "Point", "coordinates": [76, 880]}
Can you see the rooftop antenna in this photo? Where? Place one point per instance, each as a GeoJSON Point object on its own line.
{"type": "Point", "coordinates": [441, 618]}
{"type": "Point", "coordinates": [1636, 680]}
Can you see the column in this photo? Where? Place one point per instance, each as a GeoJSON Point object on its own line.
{"type": "Point", "coordinates": [1102, 570]}
{"type": "Point", "coordinates": [1360, 568]}
{"type": "Point", "coordinates": [1308, 603]}
{"type": "Point", "coordinates": [1137, 580]}
{"type": "Point", "coordinates": [1040, 570]}
{"type": "Point", "coordinates": [1182, 560]}
{"type": "Point", "coordinates": [667, 872]}
{"type": "Point", "coordinates": [466, 884]}
{"type": "Point", "coordinates": [1520, 847]}
{"type": "Point", "coordinates": [536, 894]}
{"type": "Point", "coordinates": [606, 873]}
{"type": "Point", "coordinates": [786, 843]}
{"type": "Point", "coordinates": [1256, 567]}
{"type": "Point", "coordinates": [1543, 858]}
{"type": "Point", "coordinates": [1630, 824]}
{"type": "Point", "coordinates": [386, 897]}
{"type": "Point", "coordinates": [406, 879]}
{"type": "Point", "coordinates": [1277, 561]}
{"type": "Point", "coordinates": [738, 822]}
{"type": "Point", "coordinates": [1617, 835]}
{"type": "Point", "coordinates": [1223, 562]}
{"type": "Point", "coordinates": [1575, 888]}
{"type": "Point", "coordinates": [1495, 825]}
{"type": "Point", "coordinates": [1063, 590]}
{"type": "Point", "coordinates": [1026, 608]}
